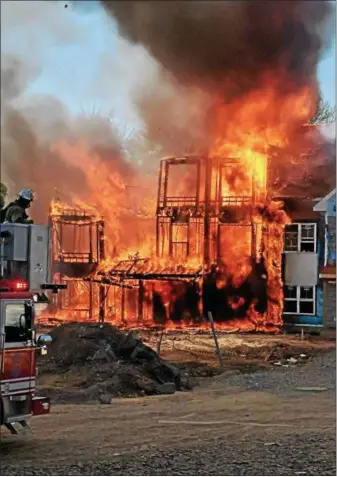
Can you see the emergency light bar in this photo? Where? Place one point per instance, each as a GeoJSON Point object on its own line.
{"type": "Point", "coordinates": [14, 285]}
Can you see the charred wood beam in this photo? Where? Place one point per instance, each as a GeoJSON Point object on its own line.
{"type": "Point", "coordinates": [75, 219]}
{"type": "Point", "coordinates": [107, 281]}
{"type": "Point", "coordinates": [183, 160]}
{"type": "Point", "coordinates": [156, 276]}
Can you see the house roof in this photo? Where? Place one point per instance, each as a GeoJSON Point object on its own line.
{"type": "Point", "coordinates": [329, 271]}
{"type": "Point", "coordinates": [300, 208]}
{"type": "Point", "coordinates": [322, 205]}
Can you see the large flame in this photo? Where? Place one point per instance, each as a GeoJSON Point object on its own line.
{"type": "Point", "coordinates": [173, 291]}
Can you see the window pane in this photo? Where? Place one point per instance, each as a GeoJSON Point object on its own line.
{"type": "Point", "coordinates": [13, 331]}
{"type": "Point", "coordinates": [290, 307]}
{"type": "Point", "coordinates": [290, 244]}
{"type": "Point", "coordinates": [307, 292]}
{"type": "Point", "coordinates": [290, 292]}
{"type": "Point", "coordinates": [291, 238]}
{"type": "Point", "coordinates": [308, 231]}
{"type": "Point", "coordinates": [307, 307]}
{"type": "Point", "coordinates": [13, 313]}
{"type": "Point", "coordinates": [307, 247]}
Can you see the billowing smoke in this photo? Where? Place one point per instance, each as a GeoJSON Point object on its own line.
{"type": "Point", "coordinates": [228, 46]}
{"type": "Point", "coordinates": [43, 145]}
{"type": "Point", "coordinates": [228, 50]}
{"type": "Point", "coordinates": [183, 54]}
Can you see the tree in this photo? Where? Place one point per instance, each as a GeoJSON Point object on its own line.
{"type": "Point", "coordinates": [3, 193]}
{"type": "Point", "coordinates": [325, 114]}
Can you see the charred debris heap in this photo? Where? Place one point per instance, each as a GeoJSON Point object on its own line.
{"type": "Point", "coordinates": [110, 362]}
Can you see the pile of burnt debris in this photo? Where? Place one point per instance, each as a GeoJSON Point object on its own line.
{"type": "Point", "coordinates": [90, 362]}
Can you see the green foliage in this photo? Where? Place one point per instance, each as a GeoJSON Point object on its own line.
{"type": "Point", "coordinates": [3, 193]}
{"type": "Point", "coordinates": [3, 190]}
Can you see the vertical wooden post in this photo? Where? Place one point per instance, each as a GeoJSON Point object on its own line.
{"type": "Point", "coordinates": [166, 178]}
{"type": "Point", "coordinates": [91, 258]}
{"type": "Point", "coordinates": [188, 236]}
{"type": "Point", "coordinates": [217, 348]}
{"type": "Point", "coordinates": [123, 307]}
{"type": "Point", "coordinates": [159, 197]}
{"type": "Point", "coordinates": [207, 211]}
{"type": "Point", "coordinates": [91, 299]}
{"type": "Point", "coordinates": [102, 298]}
{"type": "Point", "coordinates": [170, 247]}
{"type": "Point", "coordinates": [157, 236]}
{"type": "Point", "coordinates": [159, 342]}
{"type": "Point", "coordinates": [101, 241]}
{"type": "Point", "coordinates": [197, 197]}
{"type": "Point", "coordinates": [140, 300]}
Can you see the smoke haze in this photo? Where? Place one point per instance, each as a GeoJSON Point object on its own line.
{"type": "Point", "coordinates": [172, 60]}
{"type": "Point", "coordinates": [33, 125]}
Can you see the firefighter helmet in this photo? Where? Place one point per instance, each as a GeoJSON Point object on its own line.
{"type": "Point", "coordinates": [26, 194]}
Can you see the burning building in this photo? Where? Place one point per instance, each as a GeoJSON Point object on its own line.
{"type": "Point", "coordinates": [234, 82]}
{"type": "Point", "coordinates": [219, 239]}
{"type": "Point", "coordinates": [78, 249]}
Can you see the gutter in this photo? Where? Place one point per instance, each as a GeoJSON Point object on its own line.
{"type": "Point", "coordinates": [326, 235]}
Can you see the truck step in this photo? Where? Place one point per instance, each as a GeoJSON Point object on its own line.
{"type": "Point", "coordinates": [25, 425]}
{"type": "Point", "coordinates": [12, 429]}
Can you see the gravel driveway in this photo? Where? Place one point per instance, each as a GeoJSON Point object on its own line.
{"type": "Point", "coordinates": [258, 424]}
{"type": "Point", "coordinates": [320, 372]}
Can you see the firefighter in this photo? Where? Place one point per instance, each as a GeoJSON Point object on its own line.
{"type": "Point", "coordinates": [15, 212]}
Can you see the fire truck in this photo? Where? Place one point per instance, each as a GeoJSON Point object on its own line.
{"type": "Point", "coordinates": [24, 284]}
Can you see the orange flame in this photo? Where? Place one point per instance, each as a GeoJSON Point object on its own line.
{"type": "Point", "coordinates": [243, 131]}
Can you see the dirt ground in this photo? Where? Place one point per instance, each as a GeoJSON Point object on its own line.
{"type": "Point", "coordinates": [242, 351]}
{"type": "Point", "coordinates": [195, 355]}
{"type": "Point", "coordinates": [79, 435]}
{"type": "Point", "coordinates": [276, 429]}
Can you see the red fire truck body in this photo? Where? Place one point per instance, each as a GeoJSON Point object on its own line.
{"type": "Point", "coordinates": [18, 401]}
{"type": "Point", "coordinates": [18, 345]}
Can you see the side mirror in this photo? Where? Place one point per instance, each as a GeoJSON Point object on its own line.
{"type": "Point", "coordinates": [44, 340]}
{"type": "Point", "coordinates": [22, 321]}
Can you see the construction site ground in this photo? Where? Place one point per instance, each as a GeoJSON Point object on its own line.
{"type": "Point", "coordinates": [271, 412]}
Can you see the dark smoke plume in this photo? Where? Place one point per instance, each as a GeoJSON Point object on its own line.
{"type": "Point", "coordinates": [229, 45]}
{"type": "Point", "coordinates": [227, 49]}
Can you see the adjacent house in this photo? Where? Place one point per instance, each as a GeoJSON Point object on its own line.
{"type": "Point", "coordinates": [303, 294]}
{"type": "Point", "coordinates": [309, 265]}
{"type": "Point", "coordinates": [326, 207]}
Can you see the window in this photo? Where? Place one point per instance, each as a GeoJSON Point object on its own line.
{"type": "Point", "coordinates": [300, 238]}
{"type": "Point", "coordinates": [299, 300]}
{"type": "Point", "coordinates": [17, 322]}
{"type": "Point", "coordinates": [291, 238]}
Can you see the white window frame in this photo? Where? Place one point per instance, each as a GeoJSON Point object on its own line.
{"type": "Point", "coordinates": [298, 299]}
{"type": "Point", "coordinates": [299, 237]}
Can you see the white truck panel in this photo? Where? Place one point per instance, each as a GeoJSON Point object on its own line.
{"type": "Point", "coordinates": [39, 269]}
{"type": "Point", "coordinates": [16, 248]}
{"type": "Point", "coordinates": [27, 254]}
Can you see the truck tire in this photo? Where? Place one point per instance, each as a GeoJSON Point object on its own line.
{"type": "Point", "coordinates": [1, 412]}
